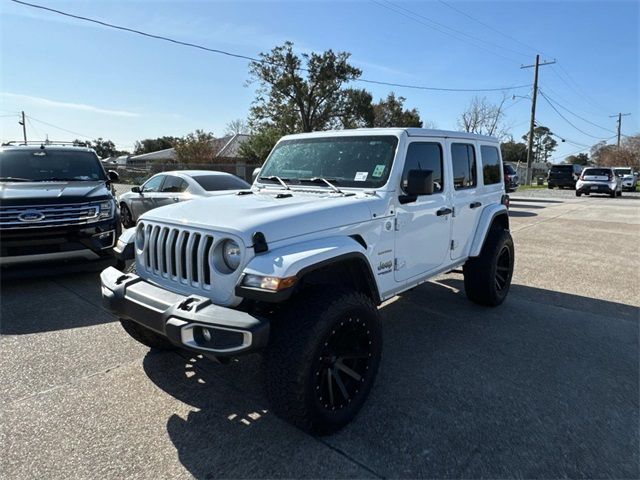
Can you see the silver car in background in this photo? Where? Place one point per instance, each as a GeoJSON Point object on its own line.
{"type": "Point", "coordinates": [176, 186]}
{"type": "Point", "coordinates": [628, 176]}
{"type": "Point", "coordinates": [599, 180]}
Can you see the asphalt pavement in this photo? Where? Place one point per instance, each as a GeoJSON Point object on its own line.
{"type": "Point", "coordinates": [545, 386]}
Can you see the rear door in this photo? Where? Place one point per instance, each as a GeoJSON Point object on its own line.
{"type": "Point", "coordinates": [173, 190]}
{"type": "Point", "coordinates": [423, 228]}
{"type": "Point", "coordinates": [465, 195]}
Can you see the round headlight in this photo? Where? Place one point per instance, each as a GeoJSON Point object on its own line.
{"type": "Point", "coordinates": [231, 254]}
{"type": "Point", "coordinates": [140, 237]}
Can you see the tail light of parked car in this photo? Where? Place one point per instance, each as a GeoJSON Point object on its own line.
{"type": "Point", "coordinates": [610, 176]}
{"type": "Point", "coordinates": [505, 201]}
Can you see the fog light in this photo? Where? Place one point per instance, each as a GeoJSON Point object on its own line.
{"type": "Point", "coordinates": [206, 334]}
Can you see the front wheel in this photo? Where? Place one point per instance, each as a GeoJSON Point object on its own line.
{"type": "Point", "coordinates": [322, 359]}
{"type": "Point", "coordinates": [578, 193]}
{"type": "Point", "coordinates": [126, 216]}
{"type": "Point", "coordinates": [487, 278]}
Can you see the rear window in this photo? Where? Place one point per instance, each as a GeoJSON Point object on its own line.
{"type": "Point", "coordinates": [509, 169]}
{"type": "Point", "coordinates": [490, 165]}
{"type": "Point", "coordinates": [51, 165]}
{"type": "Point", "coordinates": [220, 182]}
{"type": "Point", "coordinates": [562, 168]}
{"type": "Point", "coordinates": [597, 171]}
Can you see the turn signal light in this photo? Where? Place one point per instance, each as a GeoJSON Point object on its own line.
{"type": "Point", "coordinates": [268, 283]}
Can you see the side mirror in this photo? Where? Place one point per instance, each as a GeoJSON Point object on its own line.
{"type": "Point", "coordinates": [136, 190]}
{"type": "Point", "coordinates": [113, 175]}
{"type": "Point", "coordinates": [256, 172]}
{"type": "Point", "coordinates": [420, 182]}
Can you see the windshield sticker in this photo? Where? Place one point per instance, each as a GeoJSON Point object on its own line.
{"type": "Point", "coordinates": [361, 176]}
{"type": "Point", "coordinates": [378, 171]}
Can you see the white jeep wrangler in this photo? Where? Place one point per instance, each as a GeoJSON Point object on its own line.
{"type": "Point", "coordinates": [334, 224]}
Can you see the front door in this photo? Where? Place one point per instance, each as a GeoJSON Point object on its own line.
{"type": "Point", "coordinates": [423, 226]}
{"type": "Point", "coordinates": [466, 196]}
{"type": "Point", "coordinates": [146, 199]}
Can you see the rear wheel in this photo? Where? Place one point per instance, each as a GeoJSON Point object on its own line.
{"type": "Point", "coordinates": [578, 193]}
{"type": "Point", "coordinates": [613, 194]}
{"type": "Point", "coordinates": [322, 359]}
{"type": "Point", "coordinates": [487, 278]}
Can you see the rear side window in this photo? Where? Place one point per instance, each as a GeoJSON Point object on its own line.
{"type": "Point", "coordinates": [490, 165]}
{"type": "Point", "coordinates": [174, 185]}
{"type": "Point", "coordinates": [424, 156]}
{"type": "Point", "coordinates": [463, 157]}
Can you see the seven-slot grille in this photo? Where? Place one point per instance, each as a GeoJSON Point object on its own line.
{"type": "Point", "coordinates": [48, 215]}
{"type": "Point", "coordinates": [177, 254]}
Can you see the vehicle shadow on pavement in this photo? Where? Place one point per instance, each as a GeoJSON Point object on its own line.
{"type": "Point", "coordinates": [521, 213]}
{"type": "Point", "coordinates": [545, 385]}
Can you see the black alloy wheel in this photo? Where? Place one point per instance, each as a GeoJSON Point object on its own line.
{"type": "Point", "coordinates": [503, 269]}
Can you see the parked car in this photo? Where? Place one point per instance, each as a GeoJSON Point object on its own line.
{"type": "Point", "coordinates": [177, 186]}
{"type": "Point", "coordinates": [335, 223]}
{"type": "Point", "coordinates": [599, 180]}
{"type": "Point", "coordinates": [511, 180]}
{"type": "Point", "coordinates": [563, 176]}
{"type": "Point", "coordinates": [56, 203]}
{"type": "Point", "coordinates": [628, 177]}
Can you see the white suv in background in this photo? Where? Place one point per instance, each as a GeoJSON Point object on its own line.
{"type": "Point", "coordinates": [628, 177]}
{"type": "Point", "coordinates": [599, 180]}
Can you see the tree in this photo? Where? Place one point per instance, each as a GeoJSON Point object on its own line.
{"type": "Point", "coordinates": [627, 155]}
{"type": "Point", "coordinates": [483, 117]}
{"type": "Point", "coordinates": [357, 109]}
{"type": "Point", "coordinates": [103, 148]}
{"type": "Point", "coordinates": [257, 147]}
{"type": "Point", "coordinates": [236, 127]}
{"type": "Point", "coordinates": [543, 143]}
{"type": "Point", "coordinates": [513, 152]}
{"type": "Point", "coordinates": [390, 112]}
{"type": "Point", "coordinates": [300, 93]}
{"type": "Point", "coordinates": [579, 159]}
{"type": "Point", "coordinates": [149, 145]}
{"type": "Point", "coordinates": [199, 147]}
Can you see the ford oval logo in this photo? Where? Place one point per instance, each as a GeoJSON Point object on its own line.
{"type": "Point", "coordinates": [31, 216]}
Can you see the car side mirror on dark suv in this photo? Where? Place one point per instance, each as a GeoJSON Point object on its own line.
{"type": "Point", "coordinates": [136, 190]}
{"type": "Point", "coordinates": [113, 176]}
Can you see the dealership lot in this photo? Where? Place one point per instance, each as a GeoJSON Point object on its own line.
{"type": "Point", "coordinates": [544, 386]}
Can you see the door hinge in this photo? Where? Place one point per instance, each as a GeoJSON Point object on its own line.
{"type": "Point", "coordinates": [398, 264]}
{"type": "Point", "coordinates": [454, 244]}
{"type": "Point", "coordinates": [453, 212]}
{"type": "Point", "coordinates": [396, 224]}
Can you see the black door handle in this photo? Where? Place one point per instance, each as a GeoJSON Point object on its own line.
{"type": "Point", "coordinates": [444, 211]}
{"type": "Point", "coordinates": [475, 204]}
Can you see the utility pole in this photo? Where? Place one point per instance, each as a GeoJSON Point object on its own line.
{"type": "Point", "coordinates": [24, 128]}
{"type": "Point", "coordinates": [532, 122]}
{"type": "Point", "coordinates": [620, 115]}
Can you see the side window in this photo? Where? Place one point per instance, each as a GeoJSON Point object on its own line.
{"type": "Point", "coordinates": [424, 156]}
{"type": "Point", "coordinates": [153, 184]}
{"type": "Point", "coordinates": [463, 158]}
{"type": "Point", "coordinates": [174, 185]}
{"type": "Point", "coordinates": [490, 165]}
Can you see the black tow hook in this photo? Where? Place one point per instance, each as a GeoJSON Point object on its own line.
{"type": "Point", "coordinates": [187, 304]}
{"type": "Point", "coordinates": [121, 279]}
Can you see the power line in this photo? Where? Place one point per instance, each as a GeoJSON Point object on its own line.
{"type": "Point", "coordinates": [462, 12]}
{"type": "Point", "coordinates": [440, 26]}
{"type": "Point", "coordinates": [575, 90]}
{"type": "Point", "coordinates": [253, 59]}
{"type": "Point", "coordinates": [565, 118]}
{"type": "Point", "coordinates": [59, 128]}
{"type": "Point", "coordinates": [578, 116]}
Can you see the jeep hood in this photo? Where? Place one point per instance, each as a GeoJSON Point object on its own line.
{"type": "Point", "coordinates": [50, 193]}
{"type": "Point", "coordinates": [275, 214]}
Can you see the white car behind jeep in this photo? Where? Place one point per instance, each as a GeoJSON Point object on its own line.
{"type": "Point", "coordinates": [336, 223]}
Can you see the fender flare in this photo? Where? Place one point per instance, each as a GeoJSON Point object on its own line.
{"type": "Point", "coordinates": [488, 216]}
{"type": "Point", "coordinates": [124, 249]}
{"type": "Point", "coordinates": [300, 259]}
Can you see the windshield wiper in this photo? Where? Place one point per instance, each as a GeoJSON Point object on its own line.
{"type": "Point", "coordinates": [275, 178]}
{"type": "Point", "coordinates": [15, 179]}
{"type": "Point", "coordinates": [323, 180]}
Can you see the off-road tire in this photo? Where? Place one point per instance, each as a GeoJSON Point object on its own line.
{"type": "Point", "coordinates": [298, 361]}
{"type": "Point", "coordinates": [486, 281]}
{"type": "Point", "coordinates": [144, 335]}
{"type": "Point", "coordinates": [126, 217]}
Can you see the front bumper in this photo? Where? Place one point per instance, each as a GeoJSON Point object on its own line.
{"type": "Point", "coordinates": [74, 242]}
{"type": "Point", "coordinates": [191, 322]}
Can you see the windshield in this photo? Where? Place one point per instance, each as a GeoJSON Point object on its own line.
{"type": "Point", "coordinates": [220, 182]}
{"type": "Point", "coordinates": [363, 161]}
{"type": "Point", "coordinates": [509, 169]}
{"type": "Point", "coordinates": [622, 171]}
{"type": "Point", "coordinates": [50, 165]}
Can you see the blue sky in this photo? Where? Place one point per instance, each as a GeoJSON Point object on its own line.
{"type": "Point", "coordinates": [96, 81]}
